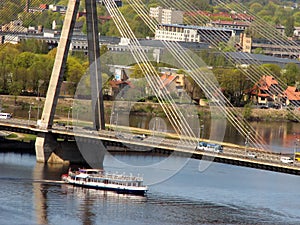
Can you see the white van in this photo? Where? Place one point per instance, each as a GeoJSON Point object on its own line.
{"type": "Point", "coordinates": [5, 116]}
{"type": "Point", "coordinates": [285, 159]}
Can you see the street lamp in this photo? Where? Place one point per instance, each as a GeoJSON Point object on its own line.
{"type": "Point", "coordinates": [201, 131]}
{"type": "Point", "coordinates": [247, 143]}
{"type": "Point", "coordinates": [295, 148]}
{"type": "Point", "coordinates": [29, 112]}
{"type": "Point", "coordinates": [68, 117]}
{"type": "Point", "coordinates": [38, 99]}
{"type": "Point", "coordinates": [38, 92]}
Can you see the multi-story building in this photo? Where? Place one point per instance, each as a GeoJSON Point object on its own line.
{"type": "Point", "coordinates": [237, 26]}
{"type": "Point", "coordinates": [188, 33]}
{"type": "Point", "coordinates": [166, 16]}
{"type": "Point", "coordinates": [276, 47]}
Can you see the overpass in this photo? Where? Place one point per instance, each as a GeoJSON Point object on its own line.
{"type": "Point", "coordinates": [70, 139]}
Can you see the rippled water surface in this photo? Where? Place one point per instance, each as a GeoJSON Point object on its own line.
{"type": "Point", "coordinates": [222, 194]}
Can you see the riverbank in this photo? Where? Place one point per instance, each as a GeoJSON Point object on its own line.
{"type": "Point", "coordinates": [22, 106]}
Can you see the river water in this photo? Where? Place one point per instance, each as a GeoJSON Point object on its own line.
{"type": "Point", "coordinates": [220, 194]}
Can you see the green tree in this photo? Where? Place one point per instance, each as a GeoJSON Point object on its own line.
{"type": "Point", "coordinates": [255, 7]}
{"type": "Point", "coordinates": [74, 71]}
{"type": "Point", "coordinates": [291, 74]}
{"type": "Point", "coordinates": [258, 51]}
{"type": "Point", "coordinates": [247, 111]}
{"type": "Point", "coordinates": [233, 82]}
{"type": "Point", "coordinates": [41, 69]}
{"type": "Point", "coordinates": [7, 56]}
{"type": "Point", "coordinates": [289, 27]}
{"type": "Point", "coordinates": [9, 11]}
{"type": "Point", "coordinates": [137, 71]}
{"type": "Point", "coordinates": [25, 59]}
{"type": "Point", "coordinates": [192, 88]}
{"type": "Point", "coordinates": [103, 49]}
{"type": "Point", "coordinates": [202, 5]}
{"type": "Point", "coordinates": [273, 68]}
{"type": "Point", "coordinates": [297, 18]}
{"type": "Point", "coordinates": [15, 90]}
{"type": "Point", "coordinates": [33, 45]}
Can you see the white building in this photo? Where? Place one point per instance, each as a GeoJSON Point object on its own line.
{"type": "Point", "coordinates": [166, 16]}
{"type": "Point", "coordinates": [188, 33]}
{"type": "Point", "coordinates": [297, 32]}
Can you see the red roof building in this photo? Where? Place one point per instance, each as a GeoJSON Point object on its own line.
{"type": "Point", "coordinates": [265, 91]}
{"type": "Point", "coordinates": [230, 16]}
{"type": "Point", "coordinates": [230, 24]}
{"type": "Point", "coordinates": [292, 96]}
{"type": "Point", "coordinates": [44, 6]}
{"type": "Point", "coordinates": [173, 83]}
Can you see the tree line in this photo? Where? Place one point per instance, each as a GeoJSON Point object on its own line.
{"type": "Point", "coordinates": [27, 67]}
{"type": "Point", "coordinates": [275, 12]}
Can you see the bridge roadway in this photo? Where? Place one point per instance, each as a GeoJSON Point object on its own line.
{"type": "Point", "coordinates": [128, 141]}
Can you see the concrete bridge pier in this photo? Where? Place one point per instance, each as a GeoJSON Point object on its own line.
{"type": "Point", "coordinates": [49, 150]}
{"type": "Point", "coordinates": [45, 145]}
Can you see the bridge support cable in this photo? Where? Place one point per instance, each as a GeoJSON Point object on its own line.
{"type": "Point", "coordinates": [263, 28]}
{"type": "Point", "coordinates": [94, 68]}
{"type": "Point", "coordinates": [267, 32]}
{"type": "Point", "coordinates": [206, 78]}
{"type": "Point", "coordinates": [270, 33]}
{"type": "Point", "coordinates": [174, 115]}
{"type": "Point", "coordinates": [255, 73]}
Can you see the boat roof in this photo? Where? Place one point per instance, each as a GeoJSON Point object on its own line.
{"type": "Point", "coordinates": [82, 175]}
{"type": "Point", "coordinates": [91, 170]}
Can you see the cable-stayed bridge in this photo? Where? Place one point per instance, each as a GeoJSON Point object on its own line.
{"type": "Point", "coordinates": [112, 141]}
{"type": "Point", "coordinates": [46, 141]}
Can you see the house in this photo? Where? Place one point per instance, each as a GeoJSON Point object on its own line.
{"type": "Point", "coordinates": [174, 83]}
{"type": "Point", "coordinates": [292, 96]}
{"type": "Point", "coordinates": [15, 26]}
{"type": "Point", "coordinates": [265, 91]}
{"type": "Point", "coordinates": [118, 84]}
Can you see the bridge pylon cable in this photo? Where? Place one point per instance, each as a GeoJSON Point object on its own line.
{"type": "Point", "coordinates": [207, 85]}
{"type": "Point", "coordinates": [173, 114]}
{"type": "Point", "coordinates": [216, 39]}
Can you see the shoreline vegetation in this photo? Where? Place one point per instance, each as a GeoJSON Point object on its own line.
{"type": "Point", "coordinates": [20, 106]}
{"type": "Point", "coordinates": [21, 103]}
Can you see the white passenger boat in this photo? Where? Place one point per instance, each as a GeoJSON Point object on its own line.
{"type": "Point", "coordinates": [97, 178]}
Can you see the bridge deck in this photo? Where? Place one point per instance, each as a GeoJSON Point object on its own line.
{"type": "Point", "coordinates": [231, 154]}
